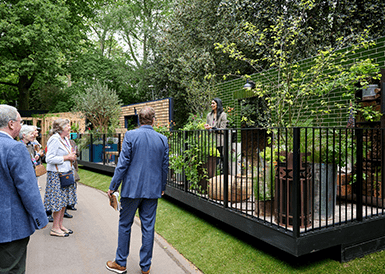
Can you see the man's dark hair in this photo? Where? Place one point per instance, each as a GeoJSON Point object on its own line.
{"type": "Point", "coordinates": [146, 115]}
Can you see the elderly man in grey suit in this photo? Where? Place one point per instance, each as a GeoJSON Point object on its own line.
{"type": "Point", "coordinates": [143, 168]}
{"type": "Point", "coordinates": [21, 207]}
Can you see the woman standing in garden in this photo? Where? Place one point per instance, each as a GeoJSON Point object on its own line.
{"type": "Point", "coordinates": [216, 121]}
{"type": "Point", "coordinates": [59, 159]}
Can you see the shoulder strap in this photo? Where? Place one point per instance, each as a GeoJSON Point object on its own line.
{"type": "Point", "coordinates": [68, 152]}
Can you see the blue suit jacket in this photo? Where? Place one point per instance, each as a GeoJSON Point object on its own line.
{"type": "Point", "coordinates": [142, 164]}
{"type": "Point", "coordinates": [21, 207]}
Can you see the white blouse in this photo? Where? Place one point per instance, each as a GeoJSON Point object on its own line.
{"type": "Point", "coordinates": [57, 148]}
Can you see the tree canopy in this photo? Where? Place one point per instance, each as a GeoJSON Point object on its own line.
{"type": "Point", "coordinates": [35, 38]}
{"type": "Point", "coordinates": [144, 47]}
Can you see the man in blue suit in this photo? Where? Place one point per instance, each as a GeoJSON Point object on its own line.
{"type": "Point", "coordinates": [143, 168]}
{"type": "Point", "coordinates": [21, 207]}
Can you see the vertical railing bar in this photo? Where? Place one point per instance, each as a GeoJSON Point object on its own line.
{"type": "Point", "coordinates": [376, 171]}
{"type": "Point", "coordinates": [252, 173]}
{"type": "Point", "coordinates": [354, 136]}
{"type": "Point", "coordinates": [327, 177]}
{"type": "Point", "coordinates": [306, 177]}
{"type": "Point", "coordinates": [287, 213]}
{"type": "Point", "coordinates": [312, 176]}
{"type": "Point", "coordinates": [320, 177]}
{"type": "Point", "coordinates": [225, 171]}
{"type": "Point", "coordinates": [104, 149]}
{"type": "Point", "coordinates": [272, 176]}
{"type": "Point", "coordinates": [382, 146]}
{"type": "Point", "coordinates": [256, 193]}
{"type": "Point", "coordinates": [184, 136]}
{"type": "Point", "coordinates": [278, 189]}
{"type": "Point", "coordinates": [334, 170]}
{"type": "Point", "coordinates": [359, 165]}
{"type": "Point", "coordinates": [91, 150]}
{"type": "Point", "coordinates": [370, 132]}
{"type": "Point", "coordinates": [296, 183]}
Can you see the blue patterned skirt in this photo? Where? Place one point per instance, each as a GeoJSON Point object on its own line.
{"type": "Point", "coordinates": [56, 198]}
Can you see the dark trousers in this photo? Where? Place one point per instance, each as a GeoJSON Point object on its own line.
{"type": "Point", "coordinates": [13, 256]}
{"type": "Point", "coordinates": [147, 215]}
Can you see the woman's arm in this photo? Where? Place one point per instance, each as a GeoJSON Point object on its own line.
{"type": "Point", "coordinates": [222, 122]}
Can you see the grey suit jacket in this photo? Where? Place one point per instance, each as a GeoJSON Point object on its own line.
{"type": "Point", "coordinates": [21, 206]}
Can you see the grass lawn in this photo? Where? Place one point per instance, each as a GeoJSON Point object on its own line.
{"type": "Point", "coordinates": [214, 247]}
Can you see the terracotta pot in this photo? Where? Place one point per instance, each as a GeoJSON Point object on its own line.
{"type": "Point", "coordinates": [264, 208]}
{"type": "Point", "coordinates": [240, 188]}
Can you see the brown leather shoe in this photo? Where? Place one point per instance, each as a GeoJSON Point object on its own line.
{"type": "Point", "coordinates": [146, 272]}
{"type": "Point", "coordinates": [114, 267]}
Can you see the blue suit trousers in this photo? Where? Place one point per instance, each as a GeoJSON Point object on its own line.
{"type": "Point", "coordinates": [147, 215]}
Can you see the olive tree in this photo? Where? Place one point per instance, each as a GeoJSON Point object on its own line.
{"type": "Point", "coordinates": [100, 105]}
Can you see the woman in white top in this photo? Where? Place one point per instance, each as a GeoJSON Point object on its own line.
{"type": "Point", "coordinates": [59, 158]}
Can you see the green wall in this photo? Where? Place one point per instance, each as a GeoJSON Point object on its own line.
{"type": "Point", "coordinates": [232, 91]}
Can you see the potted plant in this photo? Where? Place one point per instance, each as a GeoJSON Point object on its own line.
{"type": "Point", "coordinates": [330, 151]}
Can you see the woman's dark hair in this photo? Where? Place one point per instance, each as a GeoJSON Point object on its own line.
{"type": "Point", "coordinates": [219, 107]}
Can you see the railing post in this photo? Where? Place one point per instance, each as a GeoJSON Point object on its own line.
{"type": "Point", "coordinates": [91, 150]}
{"type": "Point", "coordinates": [104, 149]}
{"type": "Point", "coordinates": [226, 168]}
{"type": "Point", "coordinates": [296, 182]}
{"type": "Point", "coordinates": [119, 142]}
{"type": "Point", "coordinates": [81, 154]}
{"type": "Point", "coordinates": [184, 149]}
{"type": "Point", "coordinates": [359, 165]}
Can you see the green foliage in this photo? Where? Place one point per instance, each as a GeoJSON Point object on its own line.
{"type": "Point", "coordinates": [190, 164]}
{"type": "Point", "coordinates": [35, 37]}
{"type": "Point", "coordinates": [369, 113]}
{"type": "Point", "coordinates": [254, 112]}
{"type": "Point", "coordinates": [231, 117]}
{"type": "Point", "coordinates": [164, 129]}
{"type": "Point", "coordinates": [325, 21]}
{"type": "Point", "coordinates": [199, 145]}
{"type": "Point", "coordinates": [186, 56]}
{"type": "Point", "coordinates": [284, 83]}
{"type": "Point", "coordinates": [331, 147]}
{"type": "Point", "coordinates": [195, 122]}
{"type": "Point", "coordinates": [100, 105]}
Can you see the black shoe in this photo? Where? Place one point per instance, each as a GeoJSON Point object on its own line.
{"type": "Point", "coordinates": [71, 207]}
{"type": "Point", "coordinates": [50, 218]}
{"type": "Point", "coordinates": [66, 215]}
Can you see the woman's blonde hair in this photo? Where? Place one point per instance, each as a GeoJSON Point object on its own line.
{"type": "Point", "coordinates": [59, 124]}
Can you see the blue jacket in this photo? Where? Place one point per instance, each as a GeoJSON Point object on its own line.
{"type": "Point", "coordinates": [21, 207]}
{"type": "Point", "coordinates": [142, 164]}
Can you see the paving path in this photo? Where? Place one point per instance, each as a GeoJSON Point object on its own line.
{"type": "Point", "coordinates": [95, 226]}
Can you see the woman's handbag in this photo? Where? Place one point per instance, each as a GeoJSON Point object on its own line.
{"type": "Point", "coordinates": [66, 179]}
{"type": "Point", "coordinates": [40, 170]}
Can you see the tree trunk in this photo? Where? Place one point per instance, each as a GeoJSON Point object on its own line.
{"type": "Point", "coordinates": [23, 88]}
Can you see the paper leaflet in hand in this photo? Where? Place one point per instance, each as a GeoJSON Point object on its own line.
{"type": "Point", "coordinates": [114, 201]}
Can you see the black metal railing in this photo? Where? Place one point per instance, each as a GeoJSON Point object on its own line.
{"type": "Point", "coordinates": [298, 179]}
{"type": "Point", "coordinates": [295, 179]}
{"type": "Point", "coordinates": [101, 149]}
